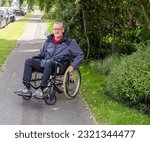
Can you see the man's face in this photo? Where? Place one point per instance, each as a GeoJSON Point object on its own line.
{"type": "Point", "coordinates": [58, 31]}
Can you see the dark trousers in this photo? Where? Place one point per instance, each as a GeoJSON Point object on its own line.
{"type": "Point", "coordinates": [35, 65]}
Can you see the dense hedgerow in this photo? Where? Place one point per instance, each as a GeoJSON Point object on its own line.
{"type": "Point", "coordinates": [130, 80]}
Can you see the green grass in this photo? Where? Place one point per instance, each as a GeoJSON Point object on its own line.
{"type": "Point", "coordinates": [104, 109]}
{"type": "Point", "coordinates": [9, 38]}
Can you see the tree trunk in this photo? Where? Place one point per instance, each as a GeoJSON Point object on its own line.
{"type": "Point", "coordinates": [133, 25]}
{"type": "Point", "coordinates": [145, 12]}
{"type": "Point", "coordinates": [85, 33]}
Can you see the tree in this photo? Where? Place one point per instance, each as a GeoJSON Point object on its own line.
{"type": "Point", "coordinates": [101, 27]}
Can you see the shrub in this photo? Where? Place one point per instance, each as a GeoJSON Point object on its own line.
{"type": "Point", "coordinates": [104, 66]}
{"type": "Point", "coordinates": [119, 45]}
{"type": "Point", "coordinates": [130, 80]}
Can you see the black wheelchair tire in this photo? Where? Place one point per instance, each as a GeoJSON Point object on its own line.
{"type": "Point", "coordinates": [50, 99]}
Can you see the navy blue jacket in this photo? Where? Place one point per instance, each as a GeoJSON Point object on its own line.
{"type": "Point", "coordinates": [61, 51]}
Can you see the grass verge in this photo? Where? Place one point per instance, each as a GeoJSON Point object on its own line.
{"type": "Point", "coordinates": [9, 38]}
{"type": "Point", "coordinates": [104, 109]}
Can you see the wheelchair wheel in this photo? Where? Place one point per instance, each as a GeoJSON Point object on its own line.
{"type": "Point", "coordinates": [50, 99]}
{"type": "Point", "coordinates": [71, 83]}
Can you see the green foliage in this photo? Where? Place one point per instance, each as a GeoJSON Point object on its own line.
{"type": "Point", "coordinates": [4, 3]}
{"type": "Point", "coordinates": [111, 26]}
{"type": "Point", "coordinates": [104, 109]}
{"type": "Point", "coordinates": [50, 23]}
{"type": "Point", "coordinates": [130, 80]}
{"type": "Point", "coordinates": [104, 66]}
{"type": "Point", "coordinates": [119, 45]}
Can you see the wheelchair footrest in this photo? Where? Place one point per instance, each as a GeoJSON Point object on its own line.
{"type": "Point", "coordinates": [23, 95]}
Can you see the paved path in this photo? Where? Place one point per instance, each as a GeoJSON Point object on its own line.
{"type": "Point", "coordinates": [15, 110]}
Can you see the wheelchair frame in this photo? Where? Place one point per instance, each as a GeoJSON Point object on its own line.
{"type": "Point", "coordinates": [69, 85]}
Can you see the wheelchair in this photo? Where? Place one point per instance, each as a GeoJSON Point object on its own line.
{"type": "Point", "coordinates": [61, 81]}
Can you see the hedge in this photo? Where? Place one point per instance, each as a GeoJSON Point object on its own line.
{"type": "Point", "coordinates": [129, 82]}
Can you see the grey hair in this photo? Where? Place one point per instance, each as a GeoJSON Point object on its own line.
{"type": "Point", "coordinates": [59, 23]}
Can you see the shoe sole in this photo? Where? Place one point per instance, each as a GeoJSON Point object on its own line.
{"type": "Point", "coordinates": [26, 95]}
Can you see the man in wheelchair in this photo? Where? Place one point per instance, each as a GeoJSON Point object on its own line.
{"type": "Point", "coordinates": [57, 49]}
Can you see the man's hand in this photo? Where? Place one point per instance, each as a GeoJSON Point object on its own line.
{"type": "Point", "coordinates": [71, 69]}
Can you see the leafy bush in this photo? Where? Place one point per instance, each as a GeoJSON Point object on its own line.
{"type": "Point", "coordinates": [120, 45]}
{"type": "Point", "coordinates": [130, 80]}
{"type": "Point", "coordinates": [104, 66]}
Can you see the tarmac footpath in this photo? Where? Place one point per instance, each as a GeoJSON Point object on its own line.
{"type": "Point", "coordinates": [16, 111]}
